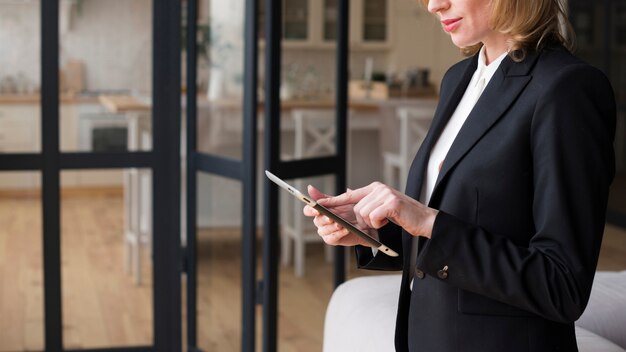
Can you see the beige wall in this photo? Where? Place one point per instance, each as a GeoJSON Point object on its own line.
{"type": "Point", "coordinates": [420, 41]}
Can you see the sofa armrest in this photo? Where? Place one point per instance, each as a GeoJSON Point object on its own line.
{"type": "Point", "coordinates": [361, 315]}
{"type": "Point", "coordinates": [605, 314]}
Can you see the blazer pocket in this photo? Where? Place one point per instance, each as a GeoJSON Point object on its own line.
{"type": "Point", "coordinates": [472, 303]}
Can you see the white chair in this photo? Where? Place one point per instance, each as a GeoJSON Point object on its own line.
{"type": "Point", "coordinates": [414, 124]}
{"type": "Point", "coordinates": [137, 198]}
{"type": "Point", "coordinates": [314, 135]}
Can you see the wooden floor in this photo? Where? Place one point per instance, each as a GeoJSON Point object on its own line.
{"type": "Point", "coordinates": [102, 307]}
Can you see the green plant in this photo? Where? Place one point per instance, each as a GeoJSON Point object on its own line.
{"type": "Point", "coordinates": [203, 39]}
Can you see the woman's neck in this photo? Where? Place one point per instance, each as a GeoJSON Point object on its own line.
{"type": "Point", "coordinates": [495, 46]}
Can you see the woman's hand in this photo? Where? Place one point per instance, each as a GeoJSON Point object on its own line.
{"type": "Point", "coordinates": [331, 232]}
{"type": "Point", "coordinates": [371, 207]}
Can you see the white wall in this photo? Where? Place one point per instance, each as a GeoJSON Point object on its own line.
{"type": "Point", "coordinates": [112, 37]}
{"type": "Point", "coordinates": [20, 41]}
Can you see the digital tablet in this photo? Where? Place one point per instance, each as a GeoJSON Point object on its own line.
{"type": "Point", "coordinates": [323, 210]}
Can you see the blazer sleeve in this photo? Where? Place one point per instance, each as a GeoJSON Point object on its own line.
{"type": "Point", "coordinates": [391, 236]}
{"type": "Point", "coordinates": [571, 141]}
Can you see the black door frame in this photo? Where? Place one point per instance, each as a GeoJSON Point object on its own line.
{"type": "Point", "coordinates": [243, 171]}
{"type": "Point", "coordinates": [164, 158]}
{"type": "Point", "coordinates": [265, 291]}
{"type": "Point", "coordinates": [330, 165]}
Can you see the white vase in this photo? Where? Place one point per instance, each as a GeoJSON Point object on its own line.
{"type": "Point", "coordinates": [215, 89]}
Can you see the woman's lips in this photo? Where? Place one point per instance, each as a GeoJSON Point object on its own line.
{"type": "Point", "coordinates": [451, 24]}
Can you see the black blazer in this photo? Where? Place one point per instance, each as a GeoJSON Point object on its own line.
{"type": "Point", "coordinates": [522, 196]}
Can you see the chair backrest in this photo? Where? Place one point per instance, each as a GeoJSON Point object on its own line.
{"type": "Point", "coordinates": [314, 132]}
{"type": "Point", "coordinates": [414, 125]}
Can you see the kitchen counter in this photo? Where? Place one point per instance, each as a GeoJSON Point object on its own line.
{"type": "Point", "coordinates": [123, 103]}
{"type": "Point", "coordinates": [35, 99]}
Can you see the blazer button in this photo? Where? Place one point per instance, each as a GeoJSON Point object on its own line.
{"type": "Point", "coordinates": [419, 274]}
{"type": "Point", "coordinates": [443, 273]}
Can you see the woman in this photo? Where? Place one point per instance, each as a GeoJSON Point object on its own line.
{"type": "Point", "coordinates": [505, 199]}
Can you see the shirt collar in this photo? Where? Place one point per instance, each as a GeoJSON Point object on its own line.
{"type": "Point", "coordinates": [487, 71]}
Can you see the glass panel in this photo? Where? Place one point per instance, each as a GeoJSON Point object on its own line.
{"type": "Point", "coordinates": [20, 77]}
{"type": "Point", "coordinates": [308, 109]}
{"type": "Point", "coordinates": [21, 263]}
{"type": "Point", "coordinates": [330, 19]}
{"type": "Point", "coordinates": [375, 20]}
{"type": "Point", "coordinates": [106, 82]}
{"type": "Point", "coordinates": [302, 300]}
{"type": "Point", "coordinates": [220, 109]}
{"type": "Point", "coordinates": [308, 132]}
{"type": "Point", "coordinates": [296, 19]}
{"type": "Point", "coordinates": [106, 258]}
{"type": "Point", "coordinates": [219, 264]}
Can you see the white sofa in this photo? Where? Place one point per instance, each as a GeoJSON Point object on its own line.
{"type": "Point", "coordinates": [361, 315]}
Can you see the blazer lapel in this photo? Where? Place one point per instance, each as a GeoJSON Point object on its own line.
{"type": "Point", "coordinates": [445, 108]}
{"type": "Point", "coordinates": [505, 85]}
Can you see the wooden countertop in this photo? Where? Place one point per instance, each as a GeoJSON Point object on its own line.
{"type": "Point", "coordinates": [126, 103]}
{"type": "Point", "coordinates": [123, 103]}
{"type": "Point", "coordinates": [361, 105]}
{"type": "Point", "coordinates": [6, 99]}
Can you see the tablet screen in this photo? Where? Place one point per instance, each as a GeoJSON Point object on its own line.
{"type": "Point", "coordinates": [323, 210]}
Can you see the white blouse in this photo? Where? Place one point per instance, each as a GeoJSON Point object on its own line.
{"type": "Point", "coordinates": [479, 81]}
{"type": "Point", "coordinates": [474, 89]}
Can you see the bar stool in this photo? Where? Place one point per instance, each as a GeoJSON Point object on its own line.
{"type": "Point", "coordinates": [414, 124]}
{"type": "Point", "coordinates": [137, 198]}
{"type": "Point", "coordinates": [314, 136]}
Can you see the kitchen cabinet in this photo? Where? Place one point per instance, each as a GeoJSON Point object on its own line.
{"type": "Point", "coordinates": [369, 20]}
{"type": "Point", "coordinates": [296, 19]}
{"type": "Point", "coordinates": [313, 23]}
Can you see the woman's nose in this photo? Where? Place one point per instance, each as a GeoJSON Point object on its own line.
{"type": "Point", "coordinates": [435, 6]}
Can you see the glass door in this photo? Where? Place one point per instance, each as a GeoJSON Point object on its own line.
{"type": "Point", "coordinates": [89, 257]}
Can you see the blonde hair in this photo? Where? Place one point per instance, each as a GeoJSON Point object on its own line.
{"type": "Point", "coordinates": [531, 24]}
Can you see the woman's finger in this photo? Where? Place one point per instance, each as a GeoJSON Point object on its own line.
{"type": "Point", "coordinates": [349, 197]}
{"type": "Point", "coordinates": [316, 193]}
{"type": "Point", "coordinates": [308, 211]}
{"type": "Point", "coordinates": [334, 238]}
